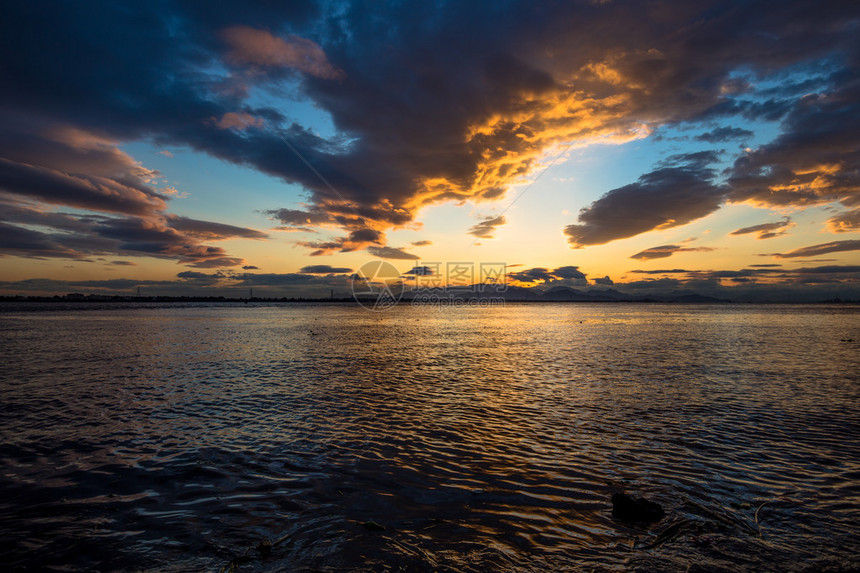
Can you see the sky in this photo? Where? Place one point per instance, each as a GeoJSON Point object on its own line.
{"type": "Point", "coordinates": [645, 146]}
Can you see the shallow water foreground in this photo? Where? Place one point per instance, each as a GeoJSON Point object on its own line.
{"type": "Point", "coordinates": [299, 437]}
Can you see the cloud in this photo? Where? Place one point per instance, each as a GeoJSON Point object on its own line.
{"type": "Point", "coordinates": [324, 270]}
{"type": "Point", "coordinates": [603, 281]}
{"type": "Point", "coordinates": [249, 267]}
{"type": "Point", "coordinates": [238, 120]}
{"type": "Point", "coordinates": [664, 251]}
{"type": "Point", "coordinates": [212, 262]}
{"type": "Point", "coordinates": [481, 144]}
{"type": "Point", "coordinates": [660, 271]}
{"type": "Point", "coordinates": [845, 222]}
{"type": "Point", "coordinates": [79, 236]}
{"type": "Point", "coordinates": [211, 231]}
{"type": "Point", "coordinates": [391, 253]}
{"type": "Point", "coordinates": [675, 194]}
{"type": "Point", "coordinates": [568, 272]}
{"type": "Point", "coordinates": [423, 243]}
{"type": "Point", "coordinates": [249, 46]}
{"type": "Point", "coordinates": [767, 230]}
{"type": "Point", "coordinates": [23, 242]}
{"type": "Point", "coordinates": [299, 217]}
{"type": "Point", "coordinates": [59, 166]}
{"type": "Point", "coordinates": [822, 249]}
{"type": "Point", "coordinates": [487, 228]}
{"type": "Point", "coordinates": [357, 239]}
{"type": "Point", "coordinates": [422, 271]}
{"type": "Point", "coordinates": [537, 274]}
{"type": "Point", "coordinates": [813, 161]}
{"type": "Point", "coordinates": [84, 191]}
{"type": "Point", "coordinates": [567, 275]}
{"type": "Point", "coordinates": [723, 134]}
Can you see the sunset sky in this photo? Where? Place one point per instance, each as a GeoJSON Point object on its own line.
{"type": "Point", "coordinates": [189, 148]}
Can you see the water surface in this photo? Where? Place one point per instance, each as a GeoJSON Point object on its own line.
{"type": "Point", "coordinates": [177, 437]}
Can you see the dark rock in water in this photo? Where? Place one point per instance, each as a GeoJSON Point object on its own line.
{"type": "Point", "coordinates": [373, 526]}
{"type": "Point", "coordinates": [641, 510]}
{"type": "Point", "coordinates": [264, 548]}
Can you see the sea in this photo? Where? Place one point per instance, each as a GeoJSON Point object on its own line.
{"type": "Point", "coordinates": [330, 437]}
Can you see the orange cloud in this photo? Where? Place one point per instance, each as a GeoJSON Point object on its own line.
{"type": "Point", "coordinates": [249, 46]}
{"type": "Point", "coordinates": [240, 121]}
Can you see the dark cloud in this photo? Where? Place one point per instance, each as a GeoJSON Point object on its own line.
{"type": "Point", "coordinates": [391, 253]}
{"type": "Point", "coordinates": [664, 251]}
{"type": "Point", "coordinates": [675, 194]}
{"type": "Point", "coordinates": [568, 272]}
{"type": "Point", "coordinates": [660, 271]}
{"type": "Point", "coordinates": [79, 236]}
{"type": "Point", "coordinates": [421, 271]}
{"type": "Point", "coordinates": [78, 190]}
{"type": "Point", "coordinates": [603, 281]}
{"type": "Point", "coordinates": [210, 231]}
{"type": "Point", "coordinates": [814, 161]}
{"type": "Point", "coordinates": [822, 249]}
{"type": "Point", "coordinates": [198, 278]}
{"type": "Point", "coordinates": [723, 134]}
{"type": "Point", "coordinates": [23, 242]}
{"type": "Point", "coordinates": [537, 274]}
{"type": "Point", "coordinates": [357, 239]}
{"type": "Point", "coordinates": [207, 262]}
{"type": "Point", "coordinates": [249, 267]}
{"type": "Point", "coordinates": [297, 217]}
{"type": "Point", "coordinates": [424, 243]}
{"type": "Point", "coordinates": [324, 270]}
{"type": "Point", "coordinates": [829, 269]}
{"type": "Point", "coordinates": [767, 230]}
{"type": "Point", "coordinates": [487, 228]}
{"type": "Point", "coordinates": [567, 275]}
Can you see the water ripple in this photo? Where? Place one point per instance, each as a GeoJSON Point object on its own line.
{"type": "Point", "coordinates": [179, 438]}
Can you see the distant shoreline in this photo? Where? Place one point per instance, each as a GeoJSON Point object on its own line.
{"type": "Point", "coordinates": [453, 301]}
